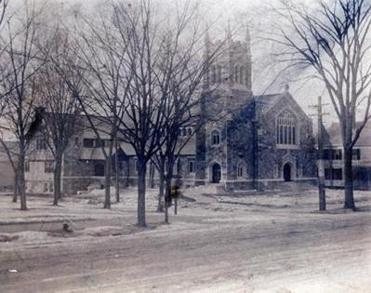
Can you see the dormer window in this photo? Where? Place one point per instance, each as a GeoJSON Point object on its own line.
{"type": "Point", "coordinates": [215, 137]}
{"type": "Point", "coordinates": [286, 132]}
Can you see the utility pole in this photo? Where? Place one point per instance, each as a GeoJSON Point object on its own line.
{"type": "Point", "coordinates": [117, 175]}
{"type": "Point", "coordinates": [321, 165]}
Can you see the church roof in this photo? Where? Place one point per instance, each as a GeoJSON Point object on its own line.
{"type": "Point", "coordinates": [266, 101]}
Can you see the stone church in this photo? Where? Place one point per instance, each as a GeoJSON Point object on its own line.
{"type": "Point", "coordinates": [246, 142]}
{"type": "Point", "coordinates": [251, 142]}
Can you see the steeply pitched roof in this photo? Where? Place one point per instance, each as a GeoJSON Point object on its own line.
{"type": "Point", "coordinates": [264, 103]}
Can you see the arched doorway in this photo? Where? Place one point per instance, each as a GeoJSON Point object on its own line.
{"type": "Point", "coordinates": [287, 172]}
{"type": "Point", "coordinates": [216, 173]}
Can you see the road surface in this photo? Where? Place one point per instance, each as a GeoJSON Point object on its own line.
{"type": "Point", "coordinates": [219, 249]}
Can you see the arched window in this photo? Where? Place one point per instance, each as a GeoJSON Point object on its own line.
{"type": "Point", "coordinates": [286, 129]}
{"type": "Point", "coordinates": [240, 170]}
{"type": "Point", "coordinates": [219, 67]}
{"type": "Point", "coordinates": [215, 137]}
{"type": "Point", "coordinates": [236, 70]}
{"type": "Point", "coordinates": [213, 74]}
{"type": "Point", "coordinates": [242, 74]}
{"type": "Point", "coordinates": [247, 77]}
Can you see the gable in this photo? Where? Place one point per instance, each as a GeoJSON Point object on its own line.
{"type": "Point", "coordinates": [285, 102]}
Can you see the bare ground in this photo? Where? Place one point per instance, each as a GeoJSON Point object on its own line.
{"type": "Point", "coordinates": [266, 243]}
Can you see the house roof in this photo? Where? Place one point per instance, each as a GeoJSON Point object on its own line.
{"type": "Point", "coordinates": [333, 135]}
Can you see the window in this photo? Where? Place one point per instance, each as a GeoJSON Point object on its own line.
{"type": "Point", "coordinates": [219, 70]}
{"type": "Point", "coordinates": [184, 132]}
{"type": "Point", "coordinates": [99, 169]}
{"type": "Point", "coordinates": [330, 154]}
{"type": "Point", "coordinates": [191, 166]}
{"type": "Point", "coordinates": [240, 170]}
{"type": "Point", "coordinates": [48, 166]}
{"type": "Point", "coordinates": [190, 131]}
{"type": "Point", "coordinates": [242, 75]}
{"type": "Point", "coordinates": [213, 74]}
{"type": "Point", "coordinates": [215, 137]}
{"type": "Point", "coordinates": [88, 142]}
{"type": "Point", "coordinates": [286, 129]}
{"type": "Point", "coordinates": [337, 155]}
{"type": "Point", "coordinates": [40, 143]}
{"type": "Point", "coordinates": [356, 155]}
{"type": "Point", "coordinates": [236, 70]}
{"type": "Point", "coordinates": [99, 143]}
{"type": "Point", "coordinates": [45, 187]}
{"type": "Point", "coordinates": [333, 174]}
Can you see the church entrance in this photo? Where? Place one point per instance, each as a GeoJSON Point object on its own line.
{"type": "Point", "coordinates": [216, 173]}
{"type": "Point", "coordinates": [287, 172]}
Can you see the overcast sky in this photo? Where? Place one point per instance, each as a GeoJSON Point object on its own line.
{"type": "Point", "coordinates": [253, 13]}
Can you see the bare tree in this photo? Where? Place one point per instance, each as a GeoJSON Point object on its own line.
{"type": "Point", "coordinates": [59, 90]}
{"type": "Point", "coordinates": [181, 76]}
{"type": "Point", "coordinates": [333, 39]}
{"type": "Point", "coordinates": [102, 54]}
{"type": "Point", "coordinates": [168, 67]}
{"type": "Point", "coordinates": [20, 62]}
{"type": "Point", "coordinates": [142, 123]}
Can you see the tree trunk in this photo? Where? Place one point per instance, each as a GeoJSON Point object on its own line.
{"type": "Point", "coordinates": [16, 189]}
{"type": "Point", "coordinates": [152, 175]}
{"type": "Point", "coordinates": [175, 206]}
{"type": "Point", "coordinates": [107, 183]}
{"type": "Point", "coordinates": [57, 179]}
{"type": "Point", "coordinates": [21, 181]}
{"type": "Point", "coordinates": [348, 179]}
{"type": "Point", "coordinates": [168, 196]}
{"type": "Point", "coordinates": [117, 173]}
{"type": "Point", "coordinates": [160, 204]}
{"type": "Point", "coordinates": [141, 211]}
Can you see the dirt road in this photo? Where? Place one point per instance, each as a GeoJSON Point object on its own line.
{"type": "Point", "coordinates": [212, 249]}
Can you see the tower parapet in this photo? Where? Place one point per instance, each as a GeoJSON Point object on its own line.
{"type": "Point", "coordinates": [233, 64]}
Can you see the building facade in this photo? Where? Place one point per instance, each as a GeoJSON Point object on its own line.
{"type": "Point", "coordinates": [334, 163]}
{"type": "Point", "coordinates": [243, 141]}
